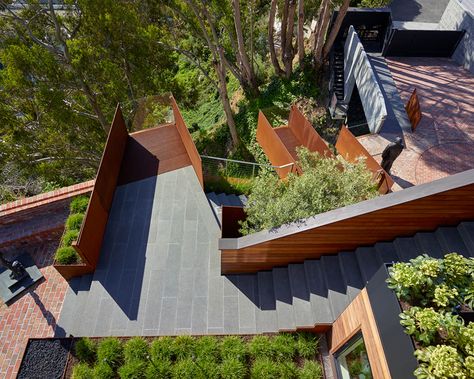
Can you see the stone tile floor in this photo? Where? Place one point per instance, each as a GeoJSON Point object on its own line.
{"type": "Point", "coordinates": [443, 142]}
{"type": "Point", "coordinates": [34, 313]}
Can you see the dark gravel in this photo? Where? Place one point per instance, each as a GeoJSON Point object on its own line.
{"type": "Point", "coordinates": [44, 359]}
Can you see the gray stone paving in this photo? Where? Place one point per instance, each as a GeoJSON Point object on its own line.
{"type": "Point", "coordinates": [418, 10]}
{"type": "Point", "coordinates": [159, 272]}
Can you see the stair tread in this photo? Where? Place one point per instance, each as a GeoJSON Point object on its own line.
{"type": "Point", "coordinates": [336, 285]}
{"type": "Point", "coordinates": [266, 314]}
{"type": "Point", "coordinates": [318, 292]}
{"type": "Point", "coordinates": [429, 244]}
{"type": "Point", "coordinates": [351, 272]}
{"type": "Point", "coordinates": [451, 241]}
{"type": "Point", "coordinates": [406, 248]}
{"type": "Point", "coordinates": [301, 296]}
{"type": "Point", "coordinates": [466, 231]}
{"type": "Point", "coordinates": [284, 306]}
{"type": "Point", "coordinates": [387, 252]}
{"type": "Point", "coordinates": [369, 262]}
{"type": "Point", "coordinates": [234, 200]}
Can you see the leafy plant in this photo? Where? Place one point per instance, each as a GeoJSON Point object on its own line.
{"type": "Point", "coordinates": [260, 347]}
{"type": "Point", "coordinates": [207, 369]}
{"type": "Point", "coordinates": [233, 368]}
{"type": "Point", "coordinates": [79, 204]}
{"type": "Point", "coordinates": [422, 323]}
{"type": "Point", "coordinates": [233, 347]}
{"type": "Point", "coordinates": [466, 339]}
{"type": "Point", "coordinates": [69, 237]}
{"type": "Point", "coordinates": [283, 347]}
{"type": "Point", "coordinates": [445, 296]}
{"type": "Point", "coordinates": [455, 268]}
{"type": "Point", "coordinates": [287, 370]}
{"type": "Point", "coordinates": [134, 369]}
{"type": "Point", "coordinates": [85, 350]}
{"type": "Point", "coordinates": [207, 348]}
{"type": "Point", "coordinates": [159, 369]}
{"type": "Point", "coordinates": [66, 255]}
{"type": "Point", "coordinates": [81, 371]}
{"type": "Point", "coordinates": [307, 345]}
{"type": "Point", "coordinates": [74, 221]}
{"type": "Point", "coordinates": [135, 349]}
{"type": "Point", "coordinates": [185, 369]}
{"type": "Point", "coordinates": [102, 370]}
{"type": "Point", "coordinates": [110, 351]}
{"type": "Point", "coordinates": [438, 362]}
{"type": "Point", "coordinates": [183, 347]}
{"type": "Point", "coordinates": [162, 348]}
{"type": "Point", "coordinates": [263, 368]}
{"type": "Point", "coordinates": [311, 370]}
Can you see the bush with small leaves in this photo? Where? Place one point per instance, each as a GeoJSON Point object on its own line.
{"type": "Point", "coordinates": [85, 350]}
{"type": "Point", "coordinates": [233, 368]}
{"type": "Point", "coordinates": [81, 371]}
{"type": "Point", "coordinates": [264, 368]}
{"type": "Point", "coordinates": [79, 204]}
{"type": "Point", "coordinates": [135, 348]}
{"type": "Point", "coordinates": [74, 221]}
{"type": "Point", "coordinates": [184, 369]}
{"type": "Point", "coordinates": [287, 370]}
{"type": "Point", "coordinates": [158, 369]}
{"type": "Point", "coordinates": [233, 347]}
{"type": "Point", "coordinates": [183, 347]}
{"type": "Point", "coordinates": [422, 323]}
{"type": "Point", "coordinates": [110, 351]}
{"type": "Point", "coordinates": [69, 237]}
{"type": "Point", "coordinates": [455, 268]}
{"type": "Point", "coordinates": [466, 339]}
{"type": "Point", "coordinates": [162, 348]}
{"type": "Point", "coordinates": [311, 370]}
{"type": "Point", "coordinates": [283, 347]}
{"type": "Point", "coordinates": [102, 370]}
{"type": "Point", "coordinates": [307, 345]}
{"type": "Point", "coordinates": [66, 255]}
{"type": "Point", "coordinates": [134, 369]}
{"type": "Point", "coordinates": [207, 369]}
{"type": "Point", "coordinates": [439, 362]}
{"type": "Point", "coordinates": [260, 347]}
{"type": "Point", "coordinates": [469, 365]}
{"type": "Point", "coordinates": [207, 348]}
{"type": "Point", "coordinates": [445, 296]}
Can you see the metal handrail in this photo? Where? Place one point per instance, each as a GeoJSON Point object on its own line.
{"type": "Point", "coordinates": [249, 163]}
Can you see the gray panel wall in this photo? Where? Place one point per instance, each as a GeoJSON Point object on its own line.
{"type": "Point", "coordinates": [458, 15]}
{"type": "Point", "coordinates": [358, 70]}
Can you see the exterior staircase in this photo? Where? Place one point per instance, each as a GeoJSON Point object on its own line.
{"type": "Point", "coordinates": [218, 200]}
{"type": "Point", "coordinates": [338, 72]}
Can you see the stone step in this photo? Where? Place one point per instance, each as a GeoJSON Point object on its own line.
{"type": "Point", "coordinates": [451, 241]}
{"type": "Point", "coordinates": [387, 252]}
{"type": "Point", "coordinates": [351, 273]}
{"type": "Point", "coordinates": [337, 296]}
{"type": "Point", "coordinates": [429, 244]}
{"type": "Point", "coordinates": [318, 290]}
{"type": "Point", "coordinates": [369, 262]}
{"type": "Point", "coordinates": [301, 296]}
{"type": "Point", "coordinates": [406, 248]}
{"type": "Point", "coordinates": [233, 200]}
{"type": "Point", "coordinates": [466, 231]}
{"type": "Point", "coordinates": [284, 307]}
{"type": "Point", "coordinates": [266, 314]}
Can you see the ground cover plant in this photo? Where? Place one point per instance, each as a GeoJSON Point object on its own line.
{"type": "Point", "coordinates": [65, 254]}
{"type": "Point", "coordinates": [290, 356]}
{"type": "Point", "coordinates": [434, 293]}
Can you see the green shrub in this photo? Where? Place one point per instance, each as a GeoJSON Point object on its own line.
{"type": "Point", "coordinates": [421, 323]}
{"type": "Point", "coordinates": [74, 221]}
{"type": "Point", "coordinates": [159, 369]}
{"type": "Point", "coordinates": [85, 350]}
{"type": "Point", "coordinates": [162, 348]}
{"type": "Point", "coordinates": [307, 345]}
{"type": "Point", "coordinates": [81, 371]}
{"type": "Point", "coordinates": [440, 361]}
{"type": "Point", "coordinates": [79, 204]}
{"type": "Point", "coordinates": [233, 347]}
{"type": "Point", "coordinates": [69, 237]}
{"type": "Point", "coordinates": [445, 296]}
{"type": "Point", "coordinates": [469, 365]}
{"type": "Point", "coordinates": [260, 347]}
{"type": "Point", "coordinates": [134, 369]}
{"type": "Point", "coordinates": [283, 347]}
{"type": "Point", "coordinates": [207, 369]}
{"type": "Point", "coordinates": [184, 369]}
{"type": "Point", "coordinates": [135, 349]}
{"type": "Point", "coordinates": [233, 368]}
{"type": "Point", "coordinates": [183, 347]}
{"type": "Point", "coordinates": [102, 370]}
{"type": "Point", "coordinates": [110, 351]}
{"type": "Point", "coordinates": [207, 348]}
{"type": "Point", "coordinates": [466, 339]}
{"type": "Point", "coordinates": [264, 368]}
{"type": "Point", "coordinates": [287, 370]}
{"type": "Point", "coordinates": [66, 255]}
{"type": "Point", "coordinates": [311, 370]}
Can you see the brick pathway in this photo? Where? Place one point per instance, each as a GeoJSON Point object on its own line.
{"type": "Point", "coordinates": [34, 314]}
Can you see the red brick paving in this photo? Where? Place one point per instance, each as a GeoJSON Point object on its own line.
{"type": "Point", "coordinates": [443, 142]}
{"type": "Point", "coordinates": [34, 314]}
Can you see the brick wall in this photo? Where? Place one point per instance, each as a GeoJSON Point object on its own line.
{"type": "Point", "coordinates": [33, 218]}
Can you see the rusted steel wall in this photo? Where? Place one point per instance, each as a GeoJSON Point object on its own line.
{"type": "Point", "coordinates": [90, 238]}
{"type": "Point", "coordinates": [273, 147]}
{"type": "Point", "coordinates": [413, 110]}
{"type": "Point", "coordinates": [305, 133]}
{"type": "Point", "coordinates": [187, 141]}
{"type": "Point", "coordinates": [351, 149]}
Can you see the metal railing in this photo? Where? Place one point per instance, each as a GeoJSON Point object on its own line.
{"type": "Point", "coordinates": [215, 166]}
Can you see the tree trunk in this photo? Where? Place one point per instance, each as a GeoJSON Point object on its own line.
{"type": "Point", "coordinates": [289, 51]}
{"type": "Point", "coordinates": [335, 28]}
{"type": "Point", "coordinates": [321, 34]}
{"type": "Point", "coordinates": [271, 40]}
{"type": "Point", "coordinates": [301, 32]}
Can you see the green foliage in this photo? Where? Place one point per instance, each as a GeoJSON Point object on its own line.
{"type": "Point", "coordinates": [159, 369]}
{"type": "Point", "coordinates": [183, 347]}
{"type": "Point", "coordinates": [287, 370]}
{"type": "Point", "coordinates": [69, 237]}
{"type": "Point", "coordinates": [110, 351]}
{"type": "Point", "coordinates": [466, 339]}
{"type": "Point", "coordinates": [283, 347]}
{"type": "Point", "coordinates": [79, 204]}
{"type": "Point", "coordinates": [438, 362]}
{"type": "Point", "coordinates": [85, 350]}
{"type": "Point", "coordinates": [81, 371]}
{"type": "Point", "coordinates": [207, 348]}
{"type": "Point", "coordinates": [185, 369]}
{"type": "Point", "coordinates": [74, 221]}
{"type": "Point", "coordinates": [311, 370]}
{"type": "Point", "coordinates": [327, 183]}
{"type": "Point", "coordinates": [445, 296]}
{"type": "Point", "coordinates": [66, 255]}
{"type": "Point", "coordinates": [219, 184]}
{"type": "Point", "coordinates": [264, 368]}
{"type": "Point", "coordinates": [135, 348]}
{"type": "Point", "coordinates": [162, 349]}
{"type": "Point", "coordinates": [207, 369]}
{"type": "Point", "coordinates": [233, 347]}
{"type": "Point", "coordinates": [134, 369]}
{"type": "Point", "coordinates": [233, 368]}
{"type": "Point", "coordinates": [102, 370]}
{"type": "Point", "coordinates": [421, 323]}
{"type": "Point", "coordinates": [260, 347]}
{"type": "Point", "coordinates": [307, 345]}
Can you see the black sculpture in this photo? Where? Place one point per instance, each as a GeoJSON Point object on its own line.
{"type": "Point", "coordinates": [17, 269]}
{"type": "Point", "coordinates": [390, 153]}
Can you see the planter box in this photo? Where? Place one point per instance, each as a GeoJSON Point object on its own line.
{"type": "Point", "coordinates": [73, 270]}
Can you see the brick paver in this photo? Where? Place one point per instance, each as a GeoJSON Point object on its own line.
{"type": "Point", "coordinates": [35, 313]}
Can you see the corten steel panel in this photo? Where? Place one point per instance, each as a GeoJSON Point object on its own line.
{"type": "Point", "coordinates": [230, 221]}
{"type": "Point", "coordinates": [351, 149]}
{"type": "Point", "coordinates": [71, 271]}
{"type": "Point", "coordinates": [444, 202]}
{"type": "Point", "coordinates": [413, 110]}
{"type": "Point", "coordinates": [187, 141]}
{"type": "Point", "coordinates": [89, 242]}
{"type": "Point", "coordinates": [305, 133]}
{"type": "Point", "coordinates": [273, 147]}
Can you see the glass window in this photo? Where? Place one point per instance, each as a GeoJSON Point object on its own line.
{"type": "Point", "coordinates": [352, 361]}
